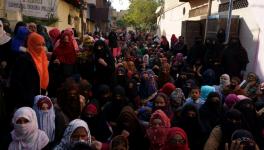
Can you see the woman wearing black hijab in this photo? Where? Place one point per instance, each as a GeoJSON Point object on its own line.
{"type": "Point", "coordinates": [211, 113]}
{"type": "Point", "coordinates": [104, 63]}
{"type": "Point", "coordinates": [190, 122]}
{"type": "Point", "coordinates": [113, 109]}
{"type": "Point", "coordinates": [222, 133]}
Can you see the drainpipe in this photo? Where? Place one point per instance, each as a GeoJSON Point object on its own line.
{"type": "Point", "coordinates": [207, 17]}
{"type": "Point", "coordinates": [228, 24]}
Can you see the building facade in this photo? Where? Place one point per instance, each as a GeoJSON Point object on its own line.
{"type": "Point", "coordinates": [188, 17]}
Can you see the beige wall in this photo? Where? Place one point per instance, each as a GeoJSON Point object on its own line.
{"type": "Point", "coordinates": [63, 10]}
{"type": "Point", "coordinates": [2, 6]}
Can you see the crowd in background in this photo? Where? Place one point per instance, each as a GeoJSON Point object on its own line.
{"type": "Point", "coordinates": [125, 91]}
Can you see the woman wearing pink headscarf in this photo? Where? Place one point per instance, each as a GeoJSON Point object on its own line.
{"type": "Point", "coordinates": [75, 44]}
{"type": "Point", "coordinates": [157, 131]}
{"type": "Point", "coordinates": [176, 140]}
{"type": "Point", "coordinates": [26, 134]}
{"type": "Point", "coordinates": [174, 40]}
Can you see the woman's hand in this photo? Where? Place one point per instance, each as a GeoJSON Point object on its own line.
{"type": "Point", "coordinates": [102, 62]}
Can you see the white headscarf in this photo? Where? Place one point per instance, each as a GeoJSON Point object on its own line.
{"type": "Point", "coordinates": [4, 38]}
{"type": "Point", "coordinates": [224, 80]}
{"type": "Point", "coordinates": [46, 120]}
{"type": "Point", "coordinates": [27, 136]}
{"type": "Point", "coordinates": [66, 142]}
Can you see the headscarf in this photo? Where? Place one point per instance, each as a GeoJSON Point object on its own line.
{"type": "Point", "coordinates": [174, 39]}
{"type": "Point", "coordinates": [119, 140]}
{"type": "Point", "coordinates": [19, 24]}
{"type": "Point", "coordinates": [128, 116]}
{"type": "Point", "coordinates": [208, 77]}
{"type": "Point", "coordinates": [88, 41]}
{"type": "Point", "coordinates": [246, 139]}
{"type": "Point", "coordinates": [4, 38]}
{"type": "Point", "coordinates": [148, 86]}
{"type": "Point", "coordinates": [224, 80]}
{"type": "Point", "coordinates": [40, 58]}
{"type": "Point", "coordinates": [177, 94]}
{"type": "Point", "coordinates": [54, 35]}
{"type": "Point", "coordinates": [43, 32]}
{"type": "Point", "coordinates": [206, 90]}
{"type": "Point", "coordinates": [159, 114]}
{"type": "Point", "coordinates": [157, 135]}
{"type": "Point", "coordinates": [75, 44]}
{"type": "Point", "coordinates": [171, 145]}
{"type": "Point", "coordinates": [20, 38]}
{"type": "Point", "coordinates": [248, 109]}
{"type": "Point", "coordinates": [65, 52]}
{"type": "Point", "coordinates": [178, 59]}
{"type": "Point", "coordinates": [168, 88]}
{"type": "Point", "coordinates": [231, 100]}
{"type": "Point", "coordinates": [146, 59]}
{"type": "Point", "coordinates": [46, 120]}
{"type": "Point", "coordinates": [66, 142]}
{"type": "Point", "coordinates": [27, 136]}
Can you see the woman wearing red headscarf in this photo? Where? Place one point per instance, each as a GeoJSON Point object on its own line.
{"type": "Point", "coordinates": [158, 127]}
{"type": "Point", "coordinates": [30, 76]}
{"type": "Point", "coordinates": [176, 139]}
{"type": "Point", "coordinates": [65, 54]}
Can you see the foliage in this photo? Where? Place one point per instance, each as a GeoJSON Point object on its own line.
{"type": "Point", "coordinates": [121, 23]}
{"type": "Point", "coordinates": [46, 22]}
{"type": "Point", "coordinates": [141, 14]}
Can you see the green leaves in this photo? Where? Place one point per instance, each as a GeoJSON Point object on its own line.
{"type": "Point", "coordinates": [141, 14]}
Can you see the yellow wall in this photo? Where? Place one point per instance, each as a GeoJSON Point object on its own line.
{"type": "Point", "coordinates": [90, 26]}
{"type": "Point", "coordinates": [2, 12]}
{"type": "Point", "coordinates": [63, 10]}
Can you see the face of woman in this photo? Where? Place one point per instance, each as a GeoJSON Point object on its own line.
{"type": "Point", "coordinates": [160, 102]}
{"type": "Point", "coordinates": [80, 134]}
{"type": "Point", "coordinates": [66, 39]}
{"type": "Point", "coordinates": [177, 139]}
{"type": "Point", "coordinates": [44, 107]}
{"type": "Point", "coordinates": [157, 123]}
{"type": "Point", "coordinates": [251, 77]}
{"type": "Point", "coordinates": [22, 120]}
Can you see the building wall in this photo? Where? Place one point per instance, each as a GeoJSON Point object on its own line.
{"type": "Point", "coordinates": [2, 10]}
{"type": "Point", "coordinates": [64, 9]}
{"type": "Point", "coordinates": [171, 22]}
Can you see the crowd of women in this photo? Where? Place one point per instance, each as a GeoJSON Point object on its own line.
{"type": "Point", "coordinates": [125, 91]}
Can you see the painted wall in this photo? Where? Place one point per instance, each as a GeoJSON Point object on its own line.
{"type": "Point", "coordinates": [170, 23]}
{"type": "Point", "coordinates": [63, 10]}
{"type": "Point", "coordinates": [2, 10]}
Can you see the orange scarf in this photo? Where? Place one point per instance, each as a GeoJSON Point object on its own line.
{"type": "Point", "coordinates": [39, 56]}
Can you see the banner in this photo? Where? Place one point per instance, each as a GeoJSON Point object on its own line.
{"type": "Point", "coordinates": [34, 8]}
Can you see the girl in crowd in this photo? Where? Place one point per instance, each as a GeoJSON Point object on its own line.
{"type": "Point", "coordinates": [26, 134]}
{"type": "Point", "coordinates": [76, 132]}
{"type": "Point", "coordinates": [176, 140]}
{"type": "Point", "coordinates": [30, 76]}
{"type": "Point", "coordinates": [157, 131]}
{"type": "Point", "coordinates": [45, 114]}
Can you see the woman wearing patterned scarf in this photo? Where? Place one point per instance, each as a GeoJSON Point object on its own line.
{"type": "Point", "coordinates": [76, 132]}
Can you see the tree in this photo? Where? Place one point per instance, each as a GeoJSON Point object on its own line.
{"type": "Point", "coordinates": [121, 23]}
{"type": "Point", "coordinates": [141, 14]}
